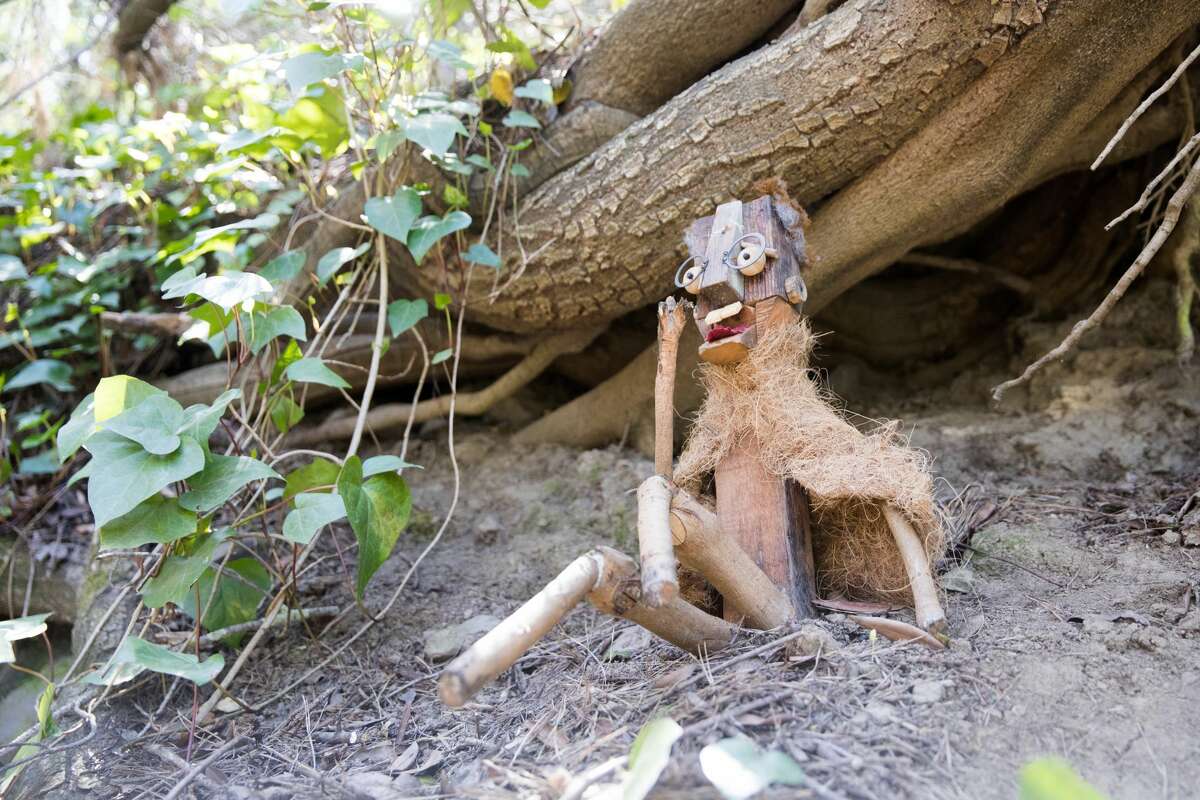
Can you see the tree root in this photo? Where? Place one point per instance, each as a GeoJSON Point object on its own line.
{"type": "Point", "coordinates": [1185, 283]}
{"type": "Point", "coordinates": [468, 404]}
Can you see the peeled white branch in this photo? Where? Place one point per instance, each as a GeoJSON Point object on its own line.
{"type": "Point", "coordinates": [916, 563]}
{"type": "Point", "coordinates": [660, 584]}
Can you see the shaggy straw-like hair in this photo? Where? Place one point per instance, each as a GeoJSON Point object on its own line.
{"type": "Point", "coordinates": [770, 401]}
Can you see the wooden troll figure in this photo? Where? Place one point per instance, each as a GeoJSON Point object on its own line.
{"type": "Point", "coordinates": [776, 499]}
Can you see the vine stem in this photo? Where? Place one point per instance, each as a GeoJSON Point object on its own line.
{"type": "Point", "coordinates": [376, 349]}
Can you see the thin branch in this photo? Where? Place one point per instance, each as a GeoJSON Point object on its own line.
{"type": "Point", "coordinates": [1149, 192]}
{"type": "Point", "coordinates": [1014, 282]}
{"type": "Point", "coordinates": [1169, 220]}
{"type": "Point", "coordinates": [1149, 101]}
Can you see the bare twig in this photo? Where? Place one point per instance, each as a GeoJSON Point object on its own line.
{"type": "Point", "coordinates": [1003, 277]}
{"type": "Point", "coordinates": [1166, 226]}
{"type": "Point", "coordinates": [191, 774]}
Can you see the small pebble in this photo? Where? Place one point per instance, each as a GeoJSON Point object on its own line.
{"type": "Point", "coordinates": [928, 692]}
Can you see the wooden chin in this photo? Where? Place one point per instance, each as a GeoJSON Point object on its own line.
{"type": "Point", "coordinates": [731, 349]}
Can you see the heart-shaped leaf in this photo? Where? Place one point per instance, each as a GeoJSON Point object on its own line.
{"type": "Point", "coordinates": [12, 268]}
{"type": "Point", "coordinates": [180, 571]}
{"type": "Point", "coordinates": [221, 477]}
{"type": "Point", "coordinates": [313, 370]}
{"type": "Point", "coordinates": [740, 769]}
{"type": "Point", "coordinates": [377, 464]}
{"type": "Point", "coordinates": [393, 216]}
{"type": "Point", "coordinates": [434, 131]}
{"type": "Point", "coordinates": [520, 119]}
{"type": "Point", "coordinates": [403, 314]}
{"type": "Point", "coordinates": [125, 474]}
{"type": "Point", "coordinates": [152, 423]}
{"type": "Point", "coordinates": [333, 261]}
{"type": "Point", "coordinates": [312, 512]}
{"type": "Point", "coordinates": [537, 89]}
{"type": "Point", "coordinates": [284, 267]}
{"type": "Point", "coordinates": [318, 118]}
{"type": "Point", "coordinates": [13, 630]}
{"type": "Point", "coordinates": [320, 472]}
{"type": "Point", "coordinates": [480, 253]}
{"type": "Point", "coordinates": [430, 230]}
{"type": "Point", "coordinates": [309, 68]}
{"type": "Point", "coordinates": [135, 655]}
{"type": "Point", "coordinates": [200, 420]}
{"type": "Point", "coordinates": [378, 510]}
{"type": "Point", "coordinates": [236, 598]}
{"type": "Point", "coordinates": [158, 519]}
{"type": "Point", "coordinates": [44, 370]}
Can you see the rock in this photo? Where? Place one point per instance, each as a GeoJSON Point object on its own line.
{"type": "Point", "coordinates": [445, 643]}
{"type": "Point", "coordinates": [1096, 624]}
{"type": "Point", "coordinates": [1170, 538]}
{"type": "Point", "coordinates": [928, 692]}
{"type": "Point", "coordinates": [880, 711]}
{"type": "Point", "coordinates": [628, 643]}
{"type": "Point", "coordinates": [1190, 622]}
{"type": "Point", "coordinates": [960, 579]}
{"type": "Point", "coordinates": [813, 639]}
{"type": "Point", "coordinates": [1191, 537]}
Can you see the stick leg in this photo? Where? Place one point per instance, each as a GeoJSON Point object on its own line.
{"type": "Point", "coordinates": [508, 641]}
{"type": "Point", "coordinates": [660, 582]}
{"type": "Point", "coordinates": [924, 590]}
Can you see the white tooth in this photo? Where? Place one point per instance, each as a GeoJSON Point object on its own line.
{"type": "Point", "coordinates": [724, 312]}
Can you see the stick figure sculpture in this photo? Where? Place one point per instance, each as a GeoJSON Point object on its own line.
{"type": "Point", "coordinates": [776, 498]}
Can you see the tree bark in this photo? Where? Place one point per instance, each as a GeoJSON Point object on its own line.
{"type": "Point", "coordinates": [135, 21]}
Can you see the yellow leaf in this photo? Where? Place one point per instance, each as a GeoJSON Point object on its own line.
{"type": "Point", "coordinates": [562, 91]}
{"type": "Point", "coordinates": [501, 84]}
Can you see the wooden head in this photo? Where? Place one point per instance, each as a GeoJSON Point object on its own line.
{"type": "Point", "coordinates": [744, 268]}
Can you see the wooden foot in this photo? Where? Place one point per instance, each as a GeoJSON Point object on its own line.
{"type": "Point", "coordinates": [702, 545]}
{"type": "Point", "coordinates": [924, 590]}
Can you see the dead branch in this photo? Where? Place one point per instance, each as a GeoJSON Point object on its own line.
{"type": "Point", "coordinates": [898, 631]}
{"type": "Point", "coordinates": [660, 584]}
{"type": "Point", "coordinates": [1003, 277]}
{"type": "Point", "coordinates": [468, 404]}
{"type": "Point", "coordinates": [672, 319]}
{"type": "Point", "coordinates": [156, 324]}
{"type": "Point", "coordinates": [1170, 217]}
{"type": "Point", "coordinates": [924, 589]}
{"type": "Point", "coordinates": [1185, 283]}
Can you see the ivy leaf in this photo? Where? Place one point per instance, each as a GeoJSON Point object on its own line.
{"type": "Point", "coordinates": [125, 474]}
{"type": "Point", "coordinates": [313, 370]}
{"type": "Point", "coordinates": [236, 599]}
{"type": "Point", "coordinates": [403, 314]}
{"type": "Point", "coordinates": [537, 89]}
{"type": "Point", "coordinates": [393, 216]}
{"type": "Point", "coordinates": [520, 119]}
{"type": "Point", "coordinates": [312, 512]}
{"type": "Point", "coordinates": [740, 769]}
{"type": "Point", "coordinates": [387, 142]}
{"type": "Point", "coordinates": [12, 268]}
{"type": "Point", "coordinates": [179, 571]}
{"type": "Point", "coordinates": [284, 413]}
{"type": "Point", "coordinates": [429, 230]}
{"type": "Point", "coordinates": [309, 68]}
{"type": "Point", "coordinates": [246, 139]}
{"type": "Point", "coordinates": [1054, 779]}
{"type": "Point", "coordinates": [136, 655]}
{"type": "Point", "coordinates": [13, 630]}
{"type": "Point", "coordinates": [378, 509]}
{"type": "Point", "coordinates": [441, 355]}
{"type": "Point", "coordinates": [118, 393]}
{"type": "Point", "coordinates": [200, 420]}
{"type": "Point", "coordinates": [480, 253]}
{"type": "Point", "coordinates": [75, 431]}
{"type": "Point", "coordinates": [377, 464]}
{"type": "Point", "coordinates": [158, 519]}
{"type": "Point", "coordinates": [318, 472]}
{"type": "Point", "coordinates": [283, 268]}
{"type": "Point", "coordinates": [152, 423]}
{"type": "Point", "coordinates": [648, 756]}
{"type": "Point", "coordinates": [448, 53]}
{"type": "Point", "coordinates": [43, 370]}
{"type": "Point", "coordinates": [333, 261]}
{"type": "Point", "coordinates": [220, 479]}
{"type": "Point", "coordinates": [434, 131]}
{"type": "Point", "coordinates": [232, 288]}
{"type": "Point", "coordinates": [264, 327]}
{"type": "Point", "coordinates": [319, 118]}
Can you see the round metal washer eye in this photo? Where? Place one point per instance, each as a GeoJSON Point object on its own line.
{"type": "Point", "coordinates": [688, 275]}
{"type": "Point", "coordinates": [749, 254]}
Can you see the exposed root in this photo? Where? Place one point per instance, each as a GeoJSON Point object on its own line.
{"type": "Point", "coordinates": [1185, 283]}
{"type": "Point", "coordinates": [1004, 278]}
{"type": "Point", "coordinates": [470, 404]}
{"type": "Point", "coordinates": [1170, 218]}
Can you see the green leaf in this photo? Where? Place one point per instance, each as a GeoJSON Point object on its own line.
{"type": "Point", "coordinates": [434, 131]}
{"type": "Point", "coordinates": [237, 596]}
{"type": "Point", "coordinates": [648, 756]}
{"type": "Point", "coordinates": [12, 269]}
{"type": "Point", "coordinates": [125, 474]}
{"type": "Point", "coordinates": [537, 89]}
{"type": "Point", "coordinates": [441, 301]}
{"type": "Point", "coordinates": [441, 355]}
{"type": "Point", "coordinates": [320, 472]}
{"type": "Point", "coordinates": [13, 630]}
{"type": "Point", "coordinates": [448, 53]}
{"type": "Point", "coordinates": [378, 510]}
{"type": "Point", "coordinates": [246, 139]}
{"type": "Point", "coordinates": [158, 519]}
{"type": "Point", "coordinates": [377, 464]}
{"type": "Point", "coordinates": [309, 68]}
{"type": "Point", "coordinates": [1054, 779]}
{"type": "Point", "coordinates": [393, 216]}
{"type": "Point", "coordinates": [200, 420]}
{"type": "Point", "coordinates": [118, 393]}
{"type": "Point", "coordinates": [518, 170]}
{"type": "Point", "coordinates": [220, 479]}
{"type": "Point", "coordinates": [480, 253]}
{"type": "Point", "coordinates": [403, 314]}
{"type": "Point", "coordinates": [333, 261]}
{"type": "Point", "coordinates": [179, 571]}
{"type": "Point", "coordinates": [312, 512]}
{"type": "Point", "coordinates": [740, 769]}
{"type": "Point", "coordinates": [233, 288]}
{"type": "Point", "coordinates": [284, 413]}
{"type": "Point", "coordinates": [152, 423]}
{"type": "Point", "coordinates": [520, 119]}
{"type": "Point", "coordinates": [319, 118]}
{"type": "Point", "coordinates": [313, 370]}
{"type": "Point", "coordinates": [136, 655]}
{"type": "Point", "coordinates": [75, 431]}
{"type": "Point", "coordinates": [44, 370]}
{"type": "Point", "coordinates": [429, 230]}
{"type": "Point", "coordinates": [387, 142]}
{"type": "Point", "coordinates": [284, 267]}
{"type": "Point", "coordinates": [263, 327]}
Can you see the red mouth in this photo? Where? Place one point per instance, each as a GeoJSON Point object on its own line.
{"type": "Point", "coordinates": [724, 332]}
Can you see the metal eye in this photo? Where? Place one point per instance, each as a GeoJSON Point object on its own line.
{"type": "Point", "coordinates": [748, 255]}
{"type": "Point", "coordinates": [687, 277]}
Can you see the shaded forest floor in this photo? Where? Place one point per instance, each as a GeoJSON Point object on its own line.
{"type": "Point", "coordinates": [1074, 621]}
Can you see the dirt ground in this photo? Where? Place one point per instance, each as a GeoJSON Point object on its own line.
{"type": "Point", "coordinates": [1073, 616]}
